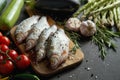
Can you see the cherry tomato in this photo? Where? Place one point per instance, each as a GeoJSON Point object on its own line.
{"type": "Point", "coordinates": [6, 67]}
{"type": "Point", "coordinates": [4, 47]}
{"type": "Point", "coordinates": [13, 54]}
{"type": "Point", "coordinates": [5, 40]}
{"type": "Point", "coordinates": [1, 58]}
{"type": "Point", "coordinates": [1, 37]}
{"type": "Point", "coordinates": [5, 57]}
{"type": "Point", "coordinates": [22, 61]}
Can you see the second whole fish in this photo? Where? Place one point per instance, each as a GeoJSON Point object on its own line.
{"type": "Point", "coordinates": [31, 40]}
{"type": "Point", "coordinates": [41, 46]}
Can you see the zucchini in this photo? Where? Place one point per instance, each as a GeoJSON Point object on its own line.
{"type": "Point", "coordinates": [2, 4]}
{"type": "Point", "coordinates": [10, 15]}
{"type": "Point", "coordinates": [25, 76]}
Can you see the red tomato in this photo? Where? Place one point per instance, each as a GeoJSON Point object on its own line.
{"type": "Point", "coordinates": [5, 57]}
{"type": "Point", "coordinates": [1, 34]}
{"type": "Point", "coordinates": [22, 61]}
{"type": "Point", "coordinates": [1, 58]}
{"type": "Point", "coordinates": [5, 40]}
{"type": "Point", "coordinates": [1, 37]}
{"type": "Point", "coordinates": [13, 54]}
{"type": "Point", "coordinates": [6, 67]}
{"type": "Point", "coordinates": [4, 47]}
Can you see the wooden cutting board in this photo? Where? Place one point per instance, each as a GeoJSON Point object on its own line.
{"type": "Point", "coordinates": [43, 67]}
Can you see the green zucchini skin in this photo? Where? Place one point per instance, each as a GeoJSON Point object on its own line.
{"type": "Point", "coordinates": [3, 3]}
{"type": "Point", "coordinates": [9, 17]}
{"type": "Point", "coordinates": [25, 76]}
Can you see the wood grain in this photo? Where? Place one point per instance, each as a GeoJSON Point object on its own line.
{"type": "Point", "coordinates": [43, 67]}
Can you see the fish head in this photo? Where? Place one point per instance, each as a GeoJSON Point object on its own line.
{"type": "Point", "coordinates": [30, 44]}
{"type": "Point", "coordinates": [20, 37]}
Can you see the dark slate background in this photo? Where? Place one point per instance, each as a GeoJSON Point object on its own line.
{"type": "Point", "coordinates": [91, 68]}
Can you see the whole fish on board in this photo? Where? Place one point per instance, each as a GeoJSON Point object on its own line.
{"type": "Point", "coordinates": [41, 46]}
{"type": "Point", "coordinates": [58, 48]}
{"type": "Point", "coordinates": [31, 40]}
{"type": "Point", "coordinates": [24, 27]}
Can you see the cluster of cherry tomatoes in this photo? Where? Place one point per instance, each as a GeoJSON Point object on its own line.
{"type": "Point", "coordinates": [9, 58]}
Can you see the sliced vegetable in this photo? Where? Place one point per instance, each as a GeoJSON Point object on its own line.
{"type": "Point", "coordinates": [11, 14]}
{"type": "Point", "coordinates": [2, 4]}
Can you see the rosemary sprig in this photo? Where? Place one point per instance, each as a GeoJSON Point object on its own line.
{"type": "Point", "coordinates": [103, 38]}
{"type": "Point", "coordinates": [75, 37]}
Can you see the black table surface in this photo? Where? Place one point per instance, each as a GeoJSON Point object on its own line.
{"type": "Point", "coordinates": [92, 66]}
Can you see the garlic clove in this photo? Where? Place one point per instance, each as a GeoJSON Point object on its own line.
{"type": "Point", "coordinates": [73, 24]}
{"type": "Point", "coordinates": [87, 28]}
